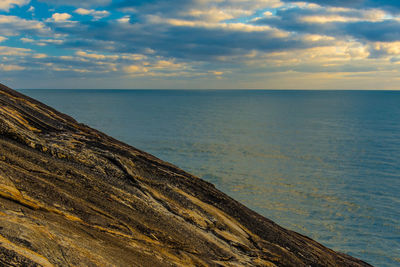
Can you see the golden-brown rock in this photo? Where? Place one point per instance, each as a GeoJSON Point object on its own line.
{"type": "Point", "coordinates": [73, 196]}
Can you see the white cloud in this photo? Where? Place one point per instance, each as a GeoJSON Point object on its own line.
{"type": "Point", "coordinates": [52, 41]}
{"type": "Point", "coordinates": [12, 25]}
{"type": "Point", "coordinates": [43, 42]}
{"type": "Point", "coordinates": [71, 69]}
{"type": "Point", "coordinates": [212, 25]}
{"type": "Point", "coordinates": [38, 56]}
{"type": "Point", "coordinates": [96, 56]}
{"type": "Point", "coordinates": [83, 11]}
{"type": "Point", "coordinates": [6, 67]}
{"type": "Point", "coordinates": [13, 51]}
{"type": "Point", "coordinates": [60, 17]}
{"type": "Point", "coordinates": [135, 69]}
{"type": "Point", "coordinates": [134, 57]}
{"type": "Point", "coordinates": [208, 10]}
{"type": "Point", "coordinates": [169, 65]}
{"type": "Point", "coordinates": [323, 15]}
{"type": "Point", "coordinates": [7, 4]}
{"type": "Point", "coordinates": [338, 18]}
{"type": "Point", "coordinates": [216, 14]}
{"type": "Point", "coordinates": [161, 68]}
{"type": "Point", "coordinates": [392, 48]}
{"type": "Point", "coordinates": [96, 14]}
{"type": "Point", "coordinates": [124, 19]}
{"type": "Point", "coordinates": [217, 73]}
{"type": "Point", "coordinates": [27, 40]}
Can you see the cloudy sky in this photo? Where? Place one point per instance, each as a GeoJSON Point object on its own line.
{"type": "Point", "coordinates": [195, 44]}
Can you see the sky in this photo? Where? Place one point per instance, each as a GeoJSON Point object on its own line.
{"type": "Point", "coordinates": [200, 44]}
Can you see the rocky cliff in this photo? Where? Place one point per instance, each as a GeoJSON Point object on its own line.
{"type": "Point", "coordinates": [73, 196]}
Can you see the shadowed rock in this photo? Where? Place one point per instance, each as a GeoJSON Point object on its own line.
{"type": "Point", "coordinates": [73, 196]}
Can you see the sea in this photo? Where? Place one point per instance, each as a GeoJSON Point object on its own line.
{"type": "Point", "coordinates": [325, 164]}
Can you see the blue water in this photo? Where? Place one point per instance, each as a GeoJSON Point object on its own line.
{"type": "Point", "coordinates": [322, 163]}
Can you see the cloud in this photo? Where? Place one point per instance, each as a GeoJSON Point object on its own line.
{"type": "Point", "coordinates": [392, 6]}
{"type": "Point", "coordinates": [382, 49]}
{"type": "Point", "coordinates": [6, 67]}
{"type": "Point", "coordinates": [13, 25]}
{"type": "Point", "coordinates": [342, 23]}
{"type": "Point", "coordinates": [135, 69]}
{"type": "Point", "coordinates": [44, 42]}
{"type": "Point", "coordinates": [69, 64]}
{"type": "Point", "coordinates": [198, 30]}
{"type": "Point", "coordinates": [13, 51]}
{"type": "Point", "coordinates": [41, 42]}
{"type": "Point", "coordinates": [167, 65]}
{"type": "Point", "coordinates": [224, 41]}
{"type": "Point", "coordinates": [206, 10]}
{"type": "Point", "coordinates": [27, 40]}
{"type": "Point", "coordinates": [77, 3]}
{"type": "Point", "coordinates": [8, 4]}
{"type": "Point", "coordinates": [157, 68]}
{"type": "Point", "coordinates": [182, 39]}
{"type": "Point", "coordinates": [385, 31]}
{"type": "Point", "coordinates": [124, 19]}
{"type": "Point", "coordinates": [96, 56]}
{"type": "Point", "coordinates": [214, 14]}
{"type": "Point", "coordinates": [39, 56]}
{"type": "Point", "coordinates": [60, 17]}
{"type": "Point", "coordinates": [96, 14]}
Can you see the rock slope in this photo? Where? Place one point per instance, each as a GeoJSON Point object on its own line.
{"type": "Point", "coordinates": [73, 196]}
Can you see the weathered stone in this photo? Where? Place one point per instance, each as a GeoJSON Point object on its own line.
{"type": "Point", "coordinates": [73, 196]}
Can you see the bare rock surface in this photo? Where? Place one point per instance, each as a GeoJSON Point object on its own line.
{"type": "Point", "coordinates": [73, 196]}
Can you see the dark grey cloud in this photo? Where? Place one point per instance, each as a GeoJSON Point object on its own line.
{"type": "Point", "coordinates": [210, 43]}
{"type": "Point", "coordinates": [182, 8]}
{"type": "Point", "coordinates": [183, 42]}
{"type": "Point", "coordinates": [154, 5]}
{"type": "Point", "coordinates": [160, 7]}
{"type": "Point", "coordinates": [201, 43]}
{"type": "Point", "coordinates": [363, 30]}
{"type": "Point", "coordinates": [291, 20]}
{"type": "Point", "coordinates": [388, 5]}
{"type": "Point", "coordinates": [383, 31]}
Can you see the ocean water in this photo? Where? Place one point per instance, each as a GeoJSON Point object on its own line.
{"type": "Point", "coordinates": [323, 163]}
